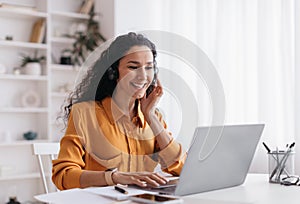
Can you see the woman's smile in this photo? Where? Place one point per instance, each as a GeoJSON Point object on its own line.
{"type": "Point", "coordinates": [139, 85]}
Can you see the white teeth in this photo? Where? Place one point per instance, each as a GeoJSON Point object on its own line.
{"type": "Point", "coordinates": [138, 85]}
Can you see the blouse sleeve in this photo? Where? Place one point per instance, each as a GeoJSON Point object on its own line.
{"type": "Point", "coordinates": [67, 168]}
{"type": "Point", "coordinates": [172, 156]}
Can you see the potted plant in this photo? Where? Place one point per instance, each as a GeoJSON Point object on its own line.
{"type": "Point", "coordinates": [32, 65]}
{"type": "Point", "coordinates": [86, 41]}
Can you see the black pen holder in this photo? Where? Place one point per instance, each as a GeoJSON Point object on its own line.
{"type": "Point", "coordinates": [281, 165]}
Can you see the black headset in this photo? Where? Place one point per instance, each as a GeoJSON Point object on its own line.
{"type": "Point", "coordinates": [113, 73]}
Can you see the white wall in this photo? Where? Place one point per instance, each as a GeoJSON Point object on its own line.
{"type": "Point", "coordinates": [297, 89]}
{"type": "Point", "coordinates": [119, 16]}
{"type": "Point", "coordinates": [107, 17]}
{"type": "Point", "coordinates": [134, 15]}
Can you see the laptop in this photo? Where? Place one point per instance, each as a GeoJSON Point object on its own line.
{"type": "Point", "coordinates": [219, 157]}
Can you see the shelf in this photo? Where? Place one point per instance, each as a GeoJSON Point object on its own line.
{"type": "Point", "coordinates": [61, 67]}
{"type": "Point", "coordinates": [19, 44]}
{"type": "Point", "coordinates": [23, 176]}
{"type": "Point", "coordinates": [20, 12]}
{"type": "Point", "coordinates": [70, 15]}
{"type": "Point", "coordinates": [19, 177]}
{"type": "Point", "coordinates": [23, 77]}
{"type": "Point", "coordinates": [21, 143]}
{"type": "Point", "coordinates": [23, 110]}
{"type": "Point", "coordinates": [62, 40]}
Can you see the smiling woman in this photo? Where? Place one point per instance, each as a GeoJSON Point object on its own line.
{"type": "Point", "coordinates": [114, 132]}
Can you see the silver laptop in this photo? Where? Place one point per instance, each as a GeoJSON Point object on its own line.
{"type": "Point", "coordinates": [219, 157]}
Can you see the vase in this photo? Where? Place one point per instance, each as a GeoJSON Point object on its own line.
{"type": "Point", "coordinates": [33, 68]}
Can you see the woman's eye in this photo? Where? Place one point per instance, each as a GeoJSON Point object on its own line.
{"type": "Point", "coordinates": [133, 67]}
{"type": "Point", "coordinates": [136, 67]}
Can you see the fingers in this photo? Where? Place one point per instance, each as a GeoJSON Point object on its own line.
{"type": "Point", "coordinates": [159, 91]}
{"type": "Point", "coordinates": [152, 180]}
{"type": "Point", "coordinates": [156, 93]}
{"type": "Point", "coordinates": [137, 181]}
{"type": "Point", "coordinates": [143, 179]}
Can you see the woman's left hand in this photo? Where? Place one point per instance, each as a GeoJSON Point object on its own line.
{"type": "Point", "coordinates": [148, 104]}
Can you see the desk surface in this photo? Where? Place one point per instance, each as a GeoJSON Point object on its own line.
{"type": "Point", "coordinates": [256, 190]}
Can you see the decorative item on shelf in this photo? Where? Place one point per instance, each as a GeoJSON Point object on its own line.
{"type": "Point", "coordinates": [86, 41]}
{"type": "Point", "coordinates": [30, 135]}
{"type": "Point", "coordinates": [86, 6]}
{"type": "Point", "coordinates": [38, 31]}
{"type": "Point", "coordinates": [2, 69]}
{"type": "Point", "coordinates": [13, 200]}
{"type": "Point", "coordinates": [9, 37]}
{"type": "Point", "coordinates": [17, 70]}
{"type": "Point", "coordinates": [66, 57]}
{"type": "Point", "coordinates": [30, 99]}
{"type": "Point", "coordinates": [32, 65]}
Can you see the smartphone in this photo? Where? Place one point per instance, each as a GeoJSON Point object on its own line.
{"type": "Point", "coordinates": [152, 85]}
{"type": "Point", "coordinates": [149, 90]}
{"type": "Point", "coordinates": [155, 199]}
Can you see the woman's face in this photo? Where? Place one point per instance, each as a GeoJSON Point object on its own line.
{"type": "Point", "coordinates": [136, 71]}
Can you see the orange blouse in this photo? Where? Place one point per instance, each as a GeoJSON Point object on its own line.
{"type": "Point", "coordinates": [99, 136]}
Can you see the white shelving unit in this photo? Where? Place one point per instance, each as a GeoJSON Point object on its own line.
{"type": "Point", "coordinates": [17, 44]}
{"type": "Point", "coordinates": [15, 152]}
{"type": "Point", "coordinates": [21, 177]}
{"type": "Point", "coordinates": [71, 15]}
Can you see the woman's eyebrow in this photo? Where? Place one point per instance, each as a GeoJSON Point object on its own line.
{"type": "Point", "coordinates": [136, 62]}
{"type": "Point", "coordinates": [133, 62]}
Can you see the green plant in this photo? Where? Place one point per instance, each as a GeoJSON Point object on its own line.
{"type": "Point", "coordinates": [86, 42]}
{"type": "Point", "coordinates": [35, 58]}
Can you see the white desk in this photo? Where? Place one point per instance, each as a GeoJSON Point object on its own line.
{"type": "Point", "coordinates": [256, 190]}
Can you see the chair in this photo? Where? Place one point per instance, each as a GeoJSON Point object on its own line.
{"type": "Point", "coordinates": [43, 151]}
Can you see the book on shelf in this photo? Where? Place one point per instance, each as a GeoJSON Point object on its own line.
{"type": "Point", "coordinates": [86, 6]}
{"type": "Point", "coordinates": [38, 31]}
{"type": "Point", "coordinates": [14, 6]}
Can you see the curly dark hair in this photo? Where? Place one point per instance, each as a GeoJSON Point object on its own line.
{"type": "Point", "coordinates": [97, 84]}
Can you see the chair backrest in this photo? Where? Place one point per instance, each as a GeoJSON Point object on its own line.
{"type": "Point", "coordinates": [42, 150]}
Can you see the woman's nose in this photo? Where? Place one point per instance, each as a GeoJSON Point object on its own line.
{"type": "Point", "coordinates": [141, 73]}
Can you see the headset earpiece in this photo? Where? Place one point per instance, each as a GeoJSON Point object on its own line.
{"type": "Point", "coordinates": [112, 73]}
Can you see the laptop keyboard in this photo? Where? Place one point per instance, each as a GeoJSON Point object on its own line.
{"type": "Point", "coordinates": [167, 190]}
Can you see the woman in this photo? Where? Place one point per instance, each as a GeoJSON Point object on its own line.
{"type": "Point", "coordinates": [115, 133]}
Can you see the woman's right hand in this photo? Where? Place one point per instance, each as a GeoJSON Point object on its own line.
{"type": "Point", "coordinates": [142, 179]}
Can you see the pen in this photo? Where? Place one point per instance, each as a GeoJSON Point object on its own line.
{"type": "Point", "coordinates": [121, 190]}
{"type": "Point", "coordinates": [267, 148]}
{"type": "Point", "coordinates": [279, 166]}
{"type": "Point", "coordinates": [284, 159]}
{"type": "Point", "coordinates": [276, 158]}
